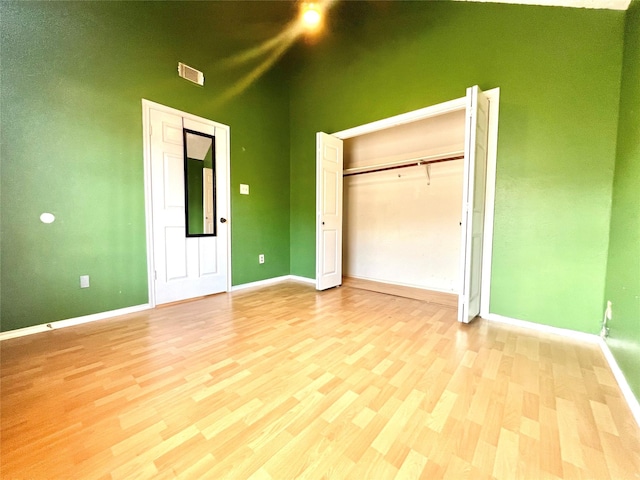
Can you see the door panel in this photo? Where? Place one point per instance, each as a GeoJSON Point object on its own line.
{"type": "Point", "coordinates": [328, 211]}
{"type": "Point", "coordinates": [172, 133]}
{"type": "Point", "coordinates": [330, 240]}
{"type": "Point", "coordinates": [474, 188]}
{"type": "Point", "coordinates": [175, 254]}
{"type": "Point", "coordinates": [208, 259]}
{"type": "Point", "coordinates": [173, 189]}
{"type": "Point", "coordinates": [330, 188]}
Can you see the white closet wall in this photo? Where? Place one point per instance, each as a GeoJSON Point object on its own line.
{"type": "Point", "coordinates": [399, 226]}
{"type": "Point", "coordinates": [431, 136]}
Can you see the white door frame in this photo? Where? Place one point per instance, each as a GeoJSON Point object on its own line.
{"type": "Point", "coordinates": [147, 105]}
{"type": "Point", "coordinates": [492, 153]}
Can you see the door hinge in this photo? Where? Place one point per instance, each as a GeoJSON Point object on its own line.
{"type": "Point", "coordinates": [155, 274]}
{"type": "Point", "coordinates": [150, 130]}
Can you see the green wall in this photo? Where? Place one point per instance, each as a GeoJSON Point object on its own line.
{"type": "Point", "coordinates": [73, 75]}
{"type": "Point", "coordinates": [72, 79]}
{"type": "Point", "coordinates": [623, 268]}
{"type": "Point", "coordinates": [559, 74]}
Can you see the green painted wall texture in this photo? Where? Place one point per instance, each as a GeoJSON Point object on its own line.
{"type": "Point", "coordinates": [74, 73]}
{"type": "Point", "coordinates": [623, 268]}
{"type": "Point", "coordinates": [557, 130]}
{"type": "Point", "coordinates": [73, 76]}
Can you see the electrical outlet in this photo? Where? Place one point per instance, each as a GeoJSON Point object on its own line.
{"type": "Point", "coordinates": [261, 258]}
{"type": "Point", "coordinates": [84, 281]}
{"type": "Point", "coordinates": [244, 189]}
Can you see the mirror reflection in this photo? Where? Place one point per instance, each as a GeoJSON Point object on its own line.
{"type": "Point", "coordinates": [199, 181]}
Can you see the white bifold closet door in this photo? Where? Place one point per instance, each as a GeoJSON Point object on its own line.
{"type": "Point", "coordinates": [329, 192]}
{"type": "Point", "coordinates": [329, 167]}
{"type": "Point", "coordinates": [473, 196]}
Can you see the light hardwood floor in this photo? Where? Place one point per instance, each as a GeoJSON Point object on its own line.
{"type": "Point", "coordinates": [285, 382]}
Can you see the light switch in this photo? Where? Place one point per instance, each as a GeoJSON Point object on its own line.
{"type": "Point", "coordinates": [244, 189]}
{"type": "Point", "coordinates": [84, 281]}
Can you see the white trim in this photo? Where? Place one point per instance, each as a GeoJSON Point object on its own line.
{"type": "Point", "coordinates": [627, 393]}
{"type": "Point", "coordinates": [581, 336]}
{"type": "Point", "coordinates": [148, 206]}
{"type": "Point", "coordinates": [147, 105]}
{"type": "Point", "coordinates": [631, 399]}
{"type": "Point", "coordinates": [490, 198]}
{"type": "Point", "coordinates": [21, 332]}
{"type": "Point", "coordinates": [229, 217]}
{"type": "Point", "coordinates": [272, 281]}
{"type": "Point", "coordinates": [431, 111]}
{"type": "Point", "coordinates": [598, 4]}
{"type": "Point", "coordinates": [297, 278]}
{"type": "Point", "coordinates": [259, 283]}
{"type": "Point", "coordinates": [492, 155]}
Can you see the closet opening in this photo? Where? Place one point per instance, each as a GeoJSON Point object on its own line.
{"type": "Point", "coordinates": [405, 205]}
{"type": "Point", "coordinates": [402, 208]}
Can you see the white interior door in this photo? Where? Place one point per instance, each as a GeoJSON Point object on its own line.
{"type": "Point", "coordinates": [328, 211]}
{"type": "Point", "coordinates": [473, 201]}
{"type": "Point", "coordinates": [185, 267]}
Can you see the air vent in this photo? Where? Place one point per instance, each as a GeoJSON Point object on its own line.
{"type": "Point", "coordinates": [190, 73]}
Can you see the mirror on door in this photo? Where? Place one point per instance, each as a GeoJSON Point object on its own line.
{"type": "Point", "coordinates": [199, 181]}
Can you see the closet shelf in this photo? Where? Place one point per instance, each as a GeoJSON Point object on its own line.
{"type": "Point", "coordinates": [410, 162]}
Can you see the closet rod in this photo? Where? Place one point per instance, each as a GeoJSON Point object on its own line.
{"type": "Point", "coordinates": [404, 164]}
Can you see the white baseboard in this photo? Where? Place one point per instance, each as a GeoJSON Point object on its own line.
{"type": "Point", "coordinates": [631, 399]}
{"type": "Point", "coordinates": [585, 337]}
{"type": "Point", "coordinates": [271, 281]}
{"type": "Point", "coordinates": [409, 285]}
{"type": "Point", "coordinates": [296, 278]}
{"type": "Point", "coordinates": [627, 393]}
{"type": "Point", "coordinates": [21, 332]}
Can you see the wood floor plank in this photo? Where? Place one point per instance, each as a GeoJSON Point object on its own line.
{"type": "Point", "coordinates": [284, 382]}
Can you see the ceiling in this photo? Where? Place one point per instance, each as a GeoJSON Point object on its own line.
{"type": "Point", "coordinates": [604, 4]}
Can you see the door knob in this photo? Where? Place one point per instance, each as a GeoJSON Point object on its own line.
{"type": "Point", "coordinates": [223, 220]}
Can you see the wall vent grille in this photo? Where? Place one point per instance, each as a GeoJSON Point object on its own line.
{"type": "Point", "coordinates": [190, 73]}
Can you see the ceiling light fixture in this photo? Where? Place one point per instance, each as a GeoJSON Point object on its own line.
{"type": "Point", "coordinates": [311, 16]}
